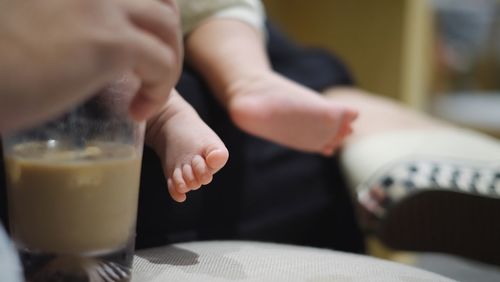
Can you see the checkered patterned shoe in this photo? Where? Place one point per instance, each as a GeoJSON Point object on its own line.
{"type": "Point", "coordinates": [434, 197]}
{"type": "Point", "coordinates": [410, 177]}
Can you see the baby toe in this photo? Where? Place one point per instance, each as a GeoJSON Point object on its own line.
{"type": "Point", "coordinates": [189, 178]}
{"type": "Point", "coordinates": [178, 197]}
{"type": "Point", "coordinates": [216, 159]}
{"type": "Point", "coordinates": [332, 146]}
{"type": "Point", "coordinates": [178, 181]}
{"type": "Point", "coordinates": [328, 151]}
{"type": "Point", "coordinates": [200, 170]}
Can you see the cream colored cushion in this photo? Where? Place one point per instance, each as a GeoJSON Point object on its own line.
{"type": "Point", "coordinates": [387, 168]}
{"type": "Point", "coordinates": [365, 160]}
{"type": "Point", "coordinates": [252, 261]}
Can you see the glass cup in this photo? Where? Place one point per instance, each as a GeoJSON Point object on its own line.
{"type": "Point", "coordinates": [72, 187]}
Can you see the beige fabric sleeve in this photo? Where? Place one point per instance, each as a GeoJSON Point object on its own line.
{"type": "Point", "coordinates": [195, 12]}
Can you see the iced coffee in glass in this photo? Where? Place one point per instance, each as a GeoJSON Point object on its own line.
{"type": "Point", "coordinates": [73, 187]}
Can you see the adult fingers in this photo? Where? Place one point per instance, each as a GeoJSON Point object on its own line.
{"type": "Point", "coordinates": [158, 48]}
{"type": "Point", "coordinates": [156, 65]}
{"type": "Point", "coordinates": [161, 19]}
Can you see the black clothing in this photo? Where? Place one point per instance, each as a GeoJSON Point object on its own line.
{"type": "Point", "coordinates": [265, 192]}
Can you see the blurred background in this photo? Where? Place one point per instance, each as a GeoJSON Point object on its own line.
{"type": "Point", "coordinates": [438, 56]}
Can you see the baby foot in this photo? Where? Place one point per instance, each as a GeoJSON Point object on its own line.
{"type": "Point", "coordinates": [190, 152]}
{"type": "Point", "coordinates": [277, 109]}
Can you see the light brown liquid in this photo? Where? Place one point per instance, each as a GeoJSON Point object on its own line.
{"type": "Point", "coordinates": [73, 202]}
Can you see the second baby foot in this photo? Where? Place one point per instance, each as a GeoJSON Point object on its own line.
{"type": "Point", "coordinates": [277, 109]}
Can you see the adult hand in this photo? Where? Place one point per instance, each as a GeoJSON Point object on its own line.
{"type": "Point", "coordinates": [55, 53]}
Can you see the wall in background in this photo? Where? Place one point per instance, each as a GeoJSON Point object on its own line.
{"type": "Point", "coordinates": [386, 43]}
